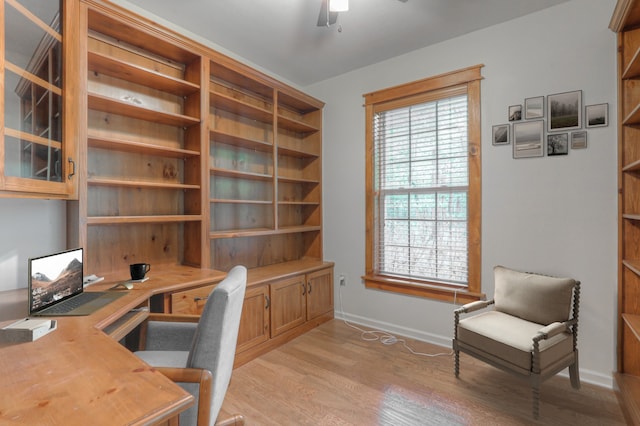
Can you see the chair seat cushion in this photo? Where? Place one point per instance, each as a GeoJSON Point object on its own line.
{"type": "Point", "coordinates": [176, 359]}
{"type": "Point", "coordinates": [510, 339]}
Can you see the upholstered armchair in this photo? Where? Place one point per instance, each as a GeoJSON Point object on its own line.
{"type": "Point", "coordinates": [532, 330]}
{"type": "Point", "coordinates": [198, 352]}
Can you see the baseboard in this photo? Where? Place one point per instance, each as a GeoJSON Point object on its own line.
{"type": "Point", "coordinates": [586, 376]}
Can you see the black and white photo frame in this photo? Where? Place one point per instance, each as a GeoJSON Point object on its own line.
{"type": "Point", "coordinates": [515, 113]}
{"type": "Point", "coordinates": [534, 108]}
{"type": "Point", "coordinates": [596, 115]}
{"type": "Point", "coordinates": [579, 140]}
{"type": "Point", "coordinates": [557, 144]}
{"type": "Point", "coordinates": [565, 111]}
{"type": "Point", "coordinates": [500, 134]}
{"type": "Point", "coordinates": [528, 139]}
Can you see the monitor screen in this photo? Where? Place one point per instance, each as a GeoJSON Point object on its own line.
{"type": "Point", "coordinates": [54, 277]}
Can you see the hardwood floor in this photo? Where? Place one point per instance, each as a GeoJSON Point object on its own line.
{"type": "Point", "coordinates": [330, 376]}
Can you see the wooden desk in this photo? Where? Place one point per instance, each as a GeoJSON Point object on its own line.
{"type": "Point", "coordinates": [78, 375]}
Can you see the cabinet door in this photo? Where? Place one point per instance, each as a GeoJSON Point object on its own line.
{"type": "Point", "coordinates": [319, 293]}
{"type": "Point", "coordinates": [288, 304]}
{"type": "Point", "coordinates": [190, 301]}
{"type": "Point", "coordinates": [35, 157]}
{"type": "Point", "coordinates": [254, 323]}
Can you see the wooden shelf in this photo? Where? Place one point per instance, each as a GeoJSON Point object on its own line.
{"type": "Point", "coordinates": [296, 153]}
{"type": "Point", "coordinates": [218, 136]}
{"type": "Point", "coordinates": [122, 220]}
{"type": "Point", "coordinates": [257, 232]}
{"type": "Point", "coordinates": [139, 184]}
{"type": "Point", "coordinates": [297, 180]}
{"type": "Point", "coordinates": [238, 107]}
{"type": "Point", "coordinates": [136, 74]}
{"type": "Point", "coordinates": [240, 175]}
{"type": "Point", "coordinates": [96, 141]}
{"type": "Point", "coordinates": [115, 106]}
{"type": "Point", "coordinates": [633, 266]}
{"type": "Point", "coordinates": [633, 118]}
{"type": "Point", "coordinates": [633, 322]}
{"type": "Point", "coordinates": [298, 203]}
{"type": "Point", "coordinates": [238, 233]}
{"type": "Point", "coordinates": [32, 138]}
{"type": "Point", "coordinates": [299, 229]}
{"type": "Point", "coordinates": [634, 217]}
{"type": "Point", "coordinates": [633, 69]}
{"type": "Point", "coordinates": [632, 167]}
{"type": "Point", "coordinates": [146, 37]}
{"type": "Point", "coordinates": [229, 201]}
{"type": "Point", "coordinates": [295, 125]}
{"type": "Point", "coordinates": [303, 104]}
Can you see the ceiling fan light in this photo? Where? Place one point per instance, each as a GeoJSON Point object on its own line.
{"type": "Point", "coordinates": [338, 5]}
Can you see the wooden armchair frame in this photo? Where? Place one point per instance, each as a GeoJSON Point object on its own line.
{"type": "Point", "coordinates": [536, 374]}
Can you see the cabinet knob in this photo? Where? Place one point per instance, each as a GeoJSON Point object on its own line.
{"type": "Point", "coordinates": [304, 289]}
{"type": "Point", "coordinates": [268, 300]}
{"type": "Point", "coordinates": [309, 285]}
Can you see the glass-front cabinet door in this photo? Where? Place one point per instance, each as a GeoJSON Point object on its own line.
{"type": "Point", "coordinates": [34, 156]}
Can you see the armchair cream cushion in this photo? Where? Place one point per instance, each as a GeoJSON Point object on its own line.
{"type": "Point", "coordinates": [508, 340]}
{"type": "Point", "coordinates": [532, 297]}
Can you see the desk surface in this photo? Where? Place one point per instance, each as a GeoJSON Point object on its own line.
{"type": "Point", "coordinates": [77, 375]}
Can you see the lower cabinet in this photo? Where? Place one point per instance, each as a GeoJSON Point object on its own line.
{"type": "Point", "coordinates": [299, 299]}
{"type": "Point", "coordinates": [273, 311]}
{"type": "Point", "coordinates": [254, 322]}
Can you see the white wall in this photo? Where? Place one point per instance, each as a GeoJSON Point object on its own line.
{"type": "Point", "coordinates": [555, 215]}
{"type": "Point", "coordinates": [28, 228]}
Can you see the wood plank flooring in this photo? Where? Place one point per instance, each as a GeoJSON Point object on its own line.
{"type": "Point", "coordinates": [330, 376]}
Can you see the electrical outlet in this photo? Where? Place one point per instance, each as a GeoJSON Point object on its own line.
{"type": "Point", "coordinates": [343, 280]}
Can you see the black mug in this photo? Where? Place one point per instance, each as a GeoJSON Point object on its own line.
{"type": "Point", "coordinates": [139, 270]}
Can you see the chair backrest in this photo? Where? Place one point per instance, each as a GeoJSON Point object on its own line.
{"type": "Point", "coordinates": [214, 344]}
{"type": "Point", "coordinates": [533, 297]}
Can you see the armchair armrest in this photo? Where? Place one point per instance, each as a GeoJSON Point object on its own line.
{"type": "Point", "coordinates": [551, 330]}
{"type": "Point", "coordinates": [474, 306]}
{"type": "Point", "coordinates": [194, 375]}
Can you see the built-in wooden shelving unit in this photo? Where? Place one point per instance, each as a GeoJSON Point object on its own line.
{"type": "Point", "coordinates": [626, 22]}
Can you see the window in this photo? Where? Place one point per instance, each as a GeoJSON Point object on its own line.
{"type": "Point", "coordinates": [424, 187]}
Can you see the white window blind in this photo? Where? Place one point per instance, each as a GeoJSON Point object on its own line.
{"type": "Point", "coordinates": [421, 187]}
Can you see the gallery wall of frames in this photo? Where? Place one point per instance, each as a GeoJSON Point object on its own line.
{"type": "Point", "coordinates": [549, 125]}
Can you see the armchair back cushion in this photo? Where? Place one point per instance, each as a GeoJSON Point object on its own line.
{"type": "Point", "coordinates": [532, 297]}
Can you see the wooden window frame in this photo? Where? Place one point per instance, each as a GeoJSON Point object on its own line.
{"type": "Point", "coordinates": [467, 81]}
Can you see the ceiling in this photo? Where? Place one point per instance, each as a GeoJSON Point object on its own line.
{"type": "Point", "coordinates": [281, 36]}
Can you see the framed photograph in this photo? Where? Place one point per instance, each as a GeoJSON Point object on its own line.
{"type": "Point", "coordinates": [596, 115]}
{"type": "Point", "coordinates": [515, 113]}
{"type": "Point", "coordinates": [558, 144]}
{"type": "Point", "coordinates": [528, 139]}
{"type": "Point", "coordinates": [565, 111]}
{"type": "Point", "coordinates": [534, 108]}
{"type": "Point", "coordinates": [579, 140]}
{"type": "Point", "coordinates": [501, 134]}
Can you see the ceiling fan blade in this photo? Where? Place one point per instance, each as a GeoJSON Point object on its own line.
{"type": "Point", "coordinates": [326, 17]}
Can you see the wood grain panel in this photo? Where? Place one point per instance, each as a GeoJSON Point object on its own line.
{"type": "Point", "coordinates": [288, 304]}
{"type": "Point", "coordinates": [190, 301]}
{"type": "Point", "coordinates": [254, 322]}
{"type": "Point", "coordinates": [111, 249]}
{"type": "Point", "coordinates": [319, 293]}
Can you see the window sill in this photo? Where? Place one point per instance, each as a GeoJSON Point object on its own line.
{"type": "Point", "coordinates": [441, 292]}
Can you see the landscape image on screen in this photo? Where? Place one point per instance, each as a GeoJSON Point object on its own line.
{"type": "Point", "coordinates": [55, 277]}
